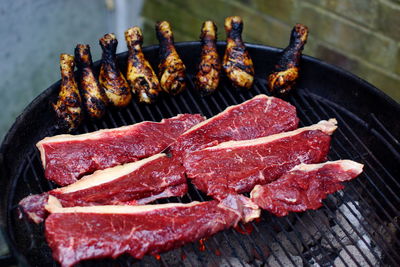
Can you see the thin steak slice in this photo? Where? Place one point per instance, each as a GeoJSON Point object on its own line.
{"type": "Point", "coordinates": [139, 182]}
{"type": "Point", "coordinates": [305, 186]}
{"type": "Point", "coordinates": [81, 233]}
{"type": "Point", "coordinates": [237, 166]}
{"type": "Point", "coordinates": [66, 158]}
{"type": "Point", "coordinates": [257, 117]}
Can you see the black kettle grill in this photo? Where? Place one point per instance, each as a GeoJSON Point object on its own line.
{"type": "Point", "coordinates": [366, 212]}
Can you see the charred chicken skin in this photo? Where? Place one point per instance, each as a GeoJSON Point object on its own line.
{"type": "Point", "coordinates": [111, 79]}
{"type": "Point", "coordinates": [237, 63]}
{"type": "Point", "coordinates": [140, 74]}
{"type": "Point", "coordinates": [94, 98]}
{"type": "Point", "coordinates": [286, 72]}
{"type": "Point", "coordinates": [208, 74]}
{"type": "Point", "coordinates": [171, 68]}
{"type": "Point", "coordinates": [68, 106]}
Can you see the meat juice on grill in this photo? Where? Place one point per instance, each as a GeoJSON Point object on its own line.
{"type": "Point", "coordinates": [139, 182]}
{"type": "Point", "coordinates": [257, 117]}
{"type": "Point", "coordinates": [66, 158]}
{"type": "Point", "coordinates": [237, 166]}
{"type": "Point", "coordinates": [305, 186]}
{"type": "Point", "coordinates": [80, 233]}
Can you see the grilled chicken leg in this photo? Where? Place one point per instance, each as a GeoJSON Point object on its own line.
{"type": "Point", "coordinates": [94, 98]}
{"type": "Point", "coordinates": [286, 72]}
{"type": "Point", "coordinates": [171, 68]}
{"type": "Point", "coordinates": [140, 74]}
{"type": "Point", "coordinates": [68, 106]}
{"type": "Point", "coordinates": [208, 74]}
{"type": "Point", "coordinates": [237, 63]}
{"type": "Point", "coordinates": [111, 79]}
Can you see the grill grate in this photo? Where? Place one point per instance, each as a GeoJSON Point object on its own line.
{"type": "Point", "coordinates": [366, 212]}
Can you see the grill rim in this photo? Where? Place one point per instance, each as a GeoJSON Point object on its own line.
{"type": "Point", "coordinates": [48, 94]}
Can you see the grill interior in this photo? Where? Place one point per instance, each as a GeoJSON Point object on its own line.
{"type": "Point", "coordinates": [361, 221]}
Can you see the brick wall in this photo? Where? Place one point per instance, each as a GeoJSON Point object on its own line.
{"type": "Point", "coordinates": [362, 36]}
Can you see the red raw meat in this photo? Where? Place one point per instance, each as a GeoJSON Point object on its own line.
{"type": "Point", "coordinates": [139, 182]}
{"type": "Point", "coordinates": [237, 166]}
{"type": "Point", "coordinates": [257, 117]}
{"type": "Point", "coordinates": [80, 233]}
{"type": "Point", "coordinates": [66, 158]}
{"type": "Point", "coordinates": [305, 186]}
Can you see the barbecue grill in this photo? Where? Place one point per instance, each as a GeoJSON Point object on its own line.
{"type": "Point", "coordinates": [357, 226]}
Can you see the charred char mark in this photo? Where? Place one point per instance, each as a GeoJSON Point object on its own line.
{"type": "Point", "coordinates": [237, 63]}
{"type": "Point", "coordinates": [68, 105]}
{"type": "Point", "coordinates": [83, 57]}
{"type": "Point", "coordinates": [95, 104]}
{"type": "Point", "coordinates": [165, 37]}
{"type": "Point", "coordinates": [286, 72]}
{"type": "Point", "coordinates": [140, 75]}
{"type": "Point", "coordinates": [89, 86]}
{"type": "Point", "coordinates": [112, 81]}
{"type": "Point", "coordinates": [234, 28]}
{"type": "Point", "coordinates": [134, 37]}
{"type": "Point", "coordinates": [208, 74]}
{"type": "Point", "coordinates": [171, 67]}
{"type": "Point", "coordinates": [109, 43]}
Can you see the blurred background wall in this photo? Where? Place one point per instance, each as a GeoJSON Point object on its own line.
{"type": "Point", "coordinates": [362, 36]}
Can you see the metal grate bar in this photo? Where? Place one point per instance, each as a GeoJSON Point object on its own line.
{"type": "Point", "coordinates": [161, 258]}
{"type": "Point", "coordinates": [360, 155]}
{"type": "Point", "coordinates": [213, 239]}
{"type": "Point", "coordinates": [385, 130]}
{"type": "Point", "coordinates": [288, 255]}
{"type": "Point", "coordinates": [360, 221]}
{"type": "Point", "coordinates": [329, 242]}
{"type": "Point", "coordinates": [224, 232]}
{"type": "Point", "coordinates": [300, 237]}
{"type": "Point", "coordinates": [333, 149]}
{"type": "Point", "coordinates": [266, 243]}
{"type": "Point", "coordinates": [289, 237]}
{"type": "Point", "coordinates": [285, 251]}
{"type": "Point", "coordinates": [361, 184]}
{"type": "Point", "coordinates": [252, 241]}
{"type": "Point", "coordinates": [373, 157]}
{"type": "Point", "coordinates": [300, 219]}
{"type": "Point", "coordinates": [314, 107]}
{"type": "Point", "coordinates": [188, 195]}
{"type": "Point", "coordinates": [345, 203]}
{"type": "Point", "coordinates": [153, 118]}
{"type": "Point", "coordinates": [352, 133]}
{"type": "Point", "coordinates": [334, 217]}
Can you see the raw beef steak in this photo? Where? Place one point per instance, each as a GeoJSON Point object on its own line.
{"type": "Point", "coordinates": [257, 117]}
{"type": "Point", "coordinates": [139, 182]}
{"type": "Point", "coordinates": [80, 233]}
{"type": "Point", "coordinates": [237, 166]}
{"type": "Point", "coordinates": [66, 158]}
{"type": "Point", "coordinates": [305, 186]}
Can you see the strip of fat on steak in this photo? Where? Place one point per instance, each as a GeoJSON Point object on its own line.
{"type": "Point", "coordinates": [66, 157]}
{"type": "Point", "coordinates": [305, 186]}
{"type": "Point", "coordinates": [80, 233]}
{"type": "Point", "coordinates": [237, 166]}
{"type": "Point", "coordinates": [133, 183]}
{"type": "Point", "coordinates": [260, 116]}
